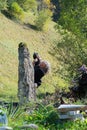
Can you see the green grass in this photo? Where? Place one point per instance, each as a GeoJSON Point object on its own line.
{"type": "Point", "coordinates": [11, 34]}
{"type": "Point", "coordinates": [45, 117]}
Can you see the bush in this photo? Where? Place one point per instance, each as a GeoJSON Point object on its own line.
{"type": "Point", "coordinates": [3, 4]}
{"type": "Point", "coordinates": [43, 18]}
{"type": "Point", "coordinates": [28, 4]}
{"type": "Point", "coordinates": [71, 52]}
{"type": "Point", "coordinates": [9, 2]}
{"type": "Point", "coordinates": [16, 11]}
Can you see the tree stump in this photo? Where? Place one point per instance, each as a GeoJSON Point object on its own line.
{"type": "Point", "coordinates": [26, 89]}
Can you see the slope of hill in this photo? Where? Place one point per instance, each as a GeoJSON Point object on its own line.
{"type": "Point", "coordinates": [11, 35]}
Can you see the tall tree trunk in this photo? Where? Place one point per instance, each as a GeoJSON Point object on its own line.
{"type": "Point", "coordinates": [26, 89]}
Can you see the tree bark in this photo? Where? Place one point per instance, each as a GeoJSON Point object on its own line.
{"type": "Point", "coordinates": [26, 89]}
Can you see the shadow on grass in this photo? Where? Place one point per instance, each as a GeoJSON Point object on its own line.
{"type": "Point", "coordinates": [7, 14]}
{"type": "Point", "coordinates": [43, 95]}
{"type": "Point", "coordinates": [31, 26]}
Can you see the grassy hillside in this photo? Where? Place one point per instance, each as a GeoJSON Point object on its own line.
{"type": "Point", "coordinates": [11, 34]}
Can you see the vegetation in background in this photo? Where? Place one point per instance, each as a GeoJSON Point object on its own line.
{"type": "Point", "coordinates": [16, 11]}
{"type": "Point", "coordinates": [3, 4]}
{"type": "Point", "coordinates": [74, 16]}
{"type": "Point", "coordinates": [28, 5]}
{"type": "Point", "coordinates": [43, 19]}
{"type": "Point", "coordinates": [56, 9]}
{"type": "Point", "coordinates": [71, 53]}
{"type": "Point", "coordinates": [71, 49]}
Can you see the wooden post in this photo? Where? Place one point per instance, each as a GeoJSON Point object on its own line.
{"type": "Point", "coordinates": [26, 89]}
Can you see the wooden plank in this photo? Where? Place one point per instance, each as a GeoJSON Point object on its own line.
{"type": "Point", "coordinates": [68, 107]}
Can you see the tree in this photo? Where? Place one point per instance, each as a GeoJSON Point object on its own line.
{"type": "Point", "coordinates": [56, 9]}
{"type": "Point", "coordinates": [74, 16]}
{"type": "Point", "coordinates": [71, 51]}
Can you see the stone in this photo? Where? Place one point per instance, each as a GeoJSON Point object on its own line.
{"type": "Point", "coordinates": [71, 115]}
{"type": "Point", "coordinates": [4, 121]}
{"type": "Point", "coordinates": [5, 128]}
{"type": "Point", "coordinates": [26, 88]}
{"type": "Point", "coordinates": [71, 112]}
{"type": "Point", "coordinates": [3, 118]}
{"type": "Point", "coordinates": [31, 126]}
{"type": "Point", "coordinates": [71, 107]}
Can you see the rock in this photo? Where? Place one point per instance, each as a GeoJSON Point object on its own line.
{"type": "Point", "coordinates": [71, 112]}
{"type": "Point", "coordinates": [31, 126]}
{"type": "Point", "coordinates": [72, 115]}
{"type": "Point", "coordinates": [4, 121]}
{"type": "Point", "coordinates": [3, 118]}
{"type": "Point", "coordinates": [5, 128]}
{"type": "Point", "coordinates": [71, 107]}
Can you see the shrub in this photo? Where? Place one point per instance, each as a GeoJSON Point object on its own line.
{"type": "Point", "coordinates": [9, 2]}
{"type": "Point", "coordinates": [3, 4]}
{"type": "Point", "coordinates": [42, 19]}
{"type": "Point", "coordinates": [16, 11]}
{"type": "Point", "coordinates": [71, 52]}
{"type": "Point", "coordinates": [28, 4]}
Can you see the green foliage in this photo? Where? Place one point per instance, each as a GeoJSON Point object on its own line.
{"type": "Point", "coordinates": [3, 4]}
{"type": "Point", "coordinates": [42, 19]}
{"type": "Point", "coordinates": [9, 2]}
{"type": "Point", "coordinates": [28, 4]}
{"type": "Point", "coordinates": [46, 117]}
{"type": "Point", "coordinates": [73, 125]}
{"type": "Point", "coordinates": [43, 116]}
{"type": "Point", "coordinates": [74, 16]}
{"type": "Point", "coordinates": [71, 52]}
{"type": "Point", "coordinates": [16, 11]}
{"type": "Point", "coordinates": [14, 114]}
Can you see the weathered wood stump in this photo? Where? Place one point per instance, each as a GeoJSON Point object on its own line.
{"type": "Point", "coordinates": [26, 89]}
